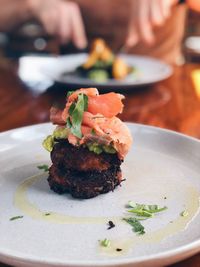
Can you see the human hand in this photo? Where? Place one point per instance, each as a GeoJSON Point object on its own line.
{"type": "Point", "coordinates": [145, 15]}
{"type": "Point", "coordinates": [61, 19]}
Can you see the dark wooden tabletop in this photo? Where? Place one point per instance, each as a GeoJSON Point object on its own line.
{"type": "Point", "coordinates": [172, 104]}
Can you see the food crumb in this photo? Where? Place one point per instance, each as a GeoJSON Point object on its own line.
{"type": "Point", "coordinates": [105, 243]}
{"type": "Point", "coordinates": [118, 249]}
{"type": "Point", "coordinates": [111, 225]}
{"type": "Point", "coordinates": [16, 218]}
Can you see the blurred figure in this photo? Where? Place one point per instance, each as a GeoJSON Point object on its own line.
{"type": "Point", "coordinates": [143, 27]}
{"type": "Point", "coordinates": [59, 18]}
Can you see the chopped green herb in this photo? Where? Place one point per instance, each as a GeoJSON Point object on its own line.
{"type": "Point", "coordinates": [105, 242]}
{"type": "Point", "coordinates": [69, 93]}
{"type": "Point", "coordinates": [16, 218]}
{"type": "Point", "coordinates": [85, 97]}
{"type": "Point", "coordinates": [144, 210]}
{"type": "Point", "coordinates": [71, 108]}
{"type": "Point", "coordinates": [44, 167]}
{"type": "Point", "coordinates": [135, 223]}
{"type": "Point", "coordinates": [184, 213]}
{"type": "Point", "coordinates": [76, 115]}
{"type": "Point", "coordinates": [47, 214]}
{"type": "Point", "coordinates": [155, 208]}
{"type": "Point", "coordinates": [141, 212]}
{"type": "Point", "coordinates": [68, 123]}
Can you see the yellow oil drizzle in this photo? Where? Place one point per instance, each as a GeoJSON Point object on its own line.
{"type": "Point", "coordinates": [22, 202]}
{"type": "Point", "coordinates": [180, 223]}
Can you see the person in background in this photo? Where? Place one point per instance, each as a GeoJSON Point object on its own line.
{"type": "Point", "coordinates": [143, 27]}
{"type": "Point", "coordinates": [150, 27]}
{"type": "Point", "coordinates": [59, 18]}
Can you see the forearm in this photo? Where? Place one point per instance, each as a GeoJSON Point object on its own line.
{"type": "Point", "coordinates": [13, 13]}
{"type": "Point", "coordinates": [194, 4]}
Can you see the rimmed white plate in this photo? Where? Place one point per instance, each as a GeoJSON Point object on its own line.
{"type": "Point", "coordinates": [60, 69]}
{"type": "Point", "coordinates": [162, 168]}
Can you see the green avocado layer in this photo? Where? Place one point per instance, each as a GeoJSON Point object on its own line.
{"type": "Point", "coordinates": [62, 133]}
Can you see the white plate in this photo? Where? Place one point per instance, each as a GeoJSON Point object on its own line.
{"type": "Point", "coordinates": [148, 71]}
{"type": "Point", "coordinates": [160, 164]}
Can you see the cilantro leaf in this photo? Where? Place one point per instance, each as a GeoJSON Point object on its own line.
{"type": "Point", "coordinates": [71, 109]}
{"type": "Point", "coordinates": [144, 210]}
{"type": "Point", "coordinates": [141, 212]}
{"type": "Point", "coordinates": [155, 208]}
{"type": "Point", "coordinates": [76, 111]}
{"type": "Point", "coordinates": [136, 225]}
{"type": "Point", "coordinates": [85, 97]}
{"type": "Point", "coordinates": [68, 123]}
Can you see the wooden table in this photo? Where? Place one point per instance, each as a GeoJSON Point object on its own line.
{"type": "Point", "coordinates": [172, 104]}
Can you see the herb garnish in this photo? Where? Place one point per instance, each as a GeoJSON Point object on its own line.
{"type": "Point", "coordinates": [142, 212]}
{"type": "Point", "coordinates": [105, 242]}
{"type": "Point", "coordinates": [47, 214]}
{"type": "Point", "coordinates": [43, 167]}
{"type": "Point", "coordinates": [111, 225]}
{"type": "Point", "coordinates": [16, 218]}
{"type": "Point", "coordinates": [76, 111]}
{"type": "Point", "coordinates": [135, 223]}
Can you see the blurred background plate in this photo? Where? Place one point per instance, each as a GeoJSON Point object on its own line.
{"type": "Point", "coordinates": [43, 69]}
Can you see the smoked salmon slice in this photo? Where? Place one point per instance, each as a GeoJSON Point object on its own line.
{"type": "Point", "coordinates": [108, 105]}
{"type": "Point", "coordinates": [99, 121]}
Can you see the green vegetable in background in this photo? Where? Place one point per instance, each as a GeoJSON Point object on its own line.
{"type": "Point", "coordinates": [98, 75]}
